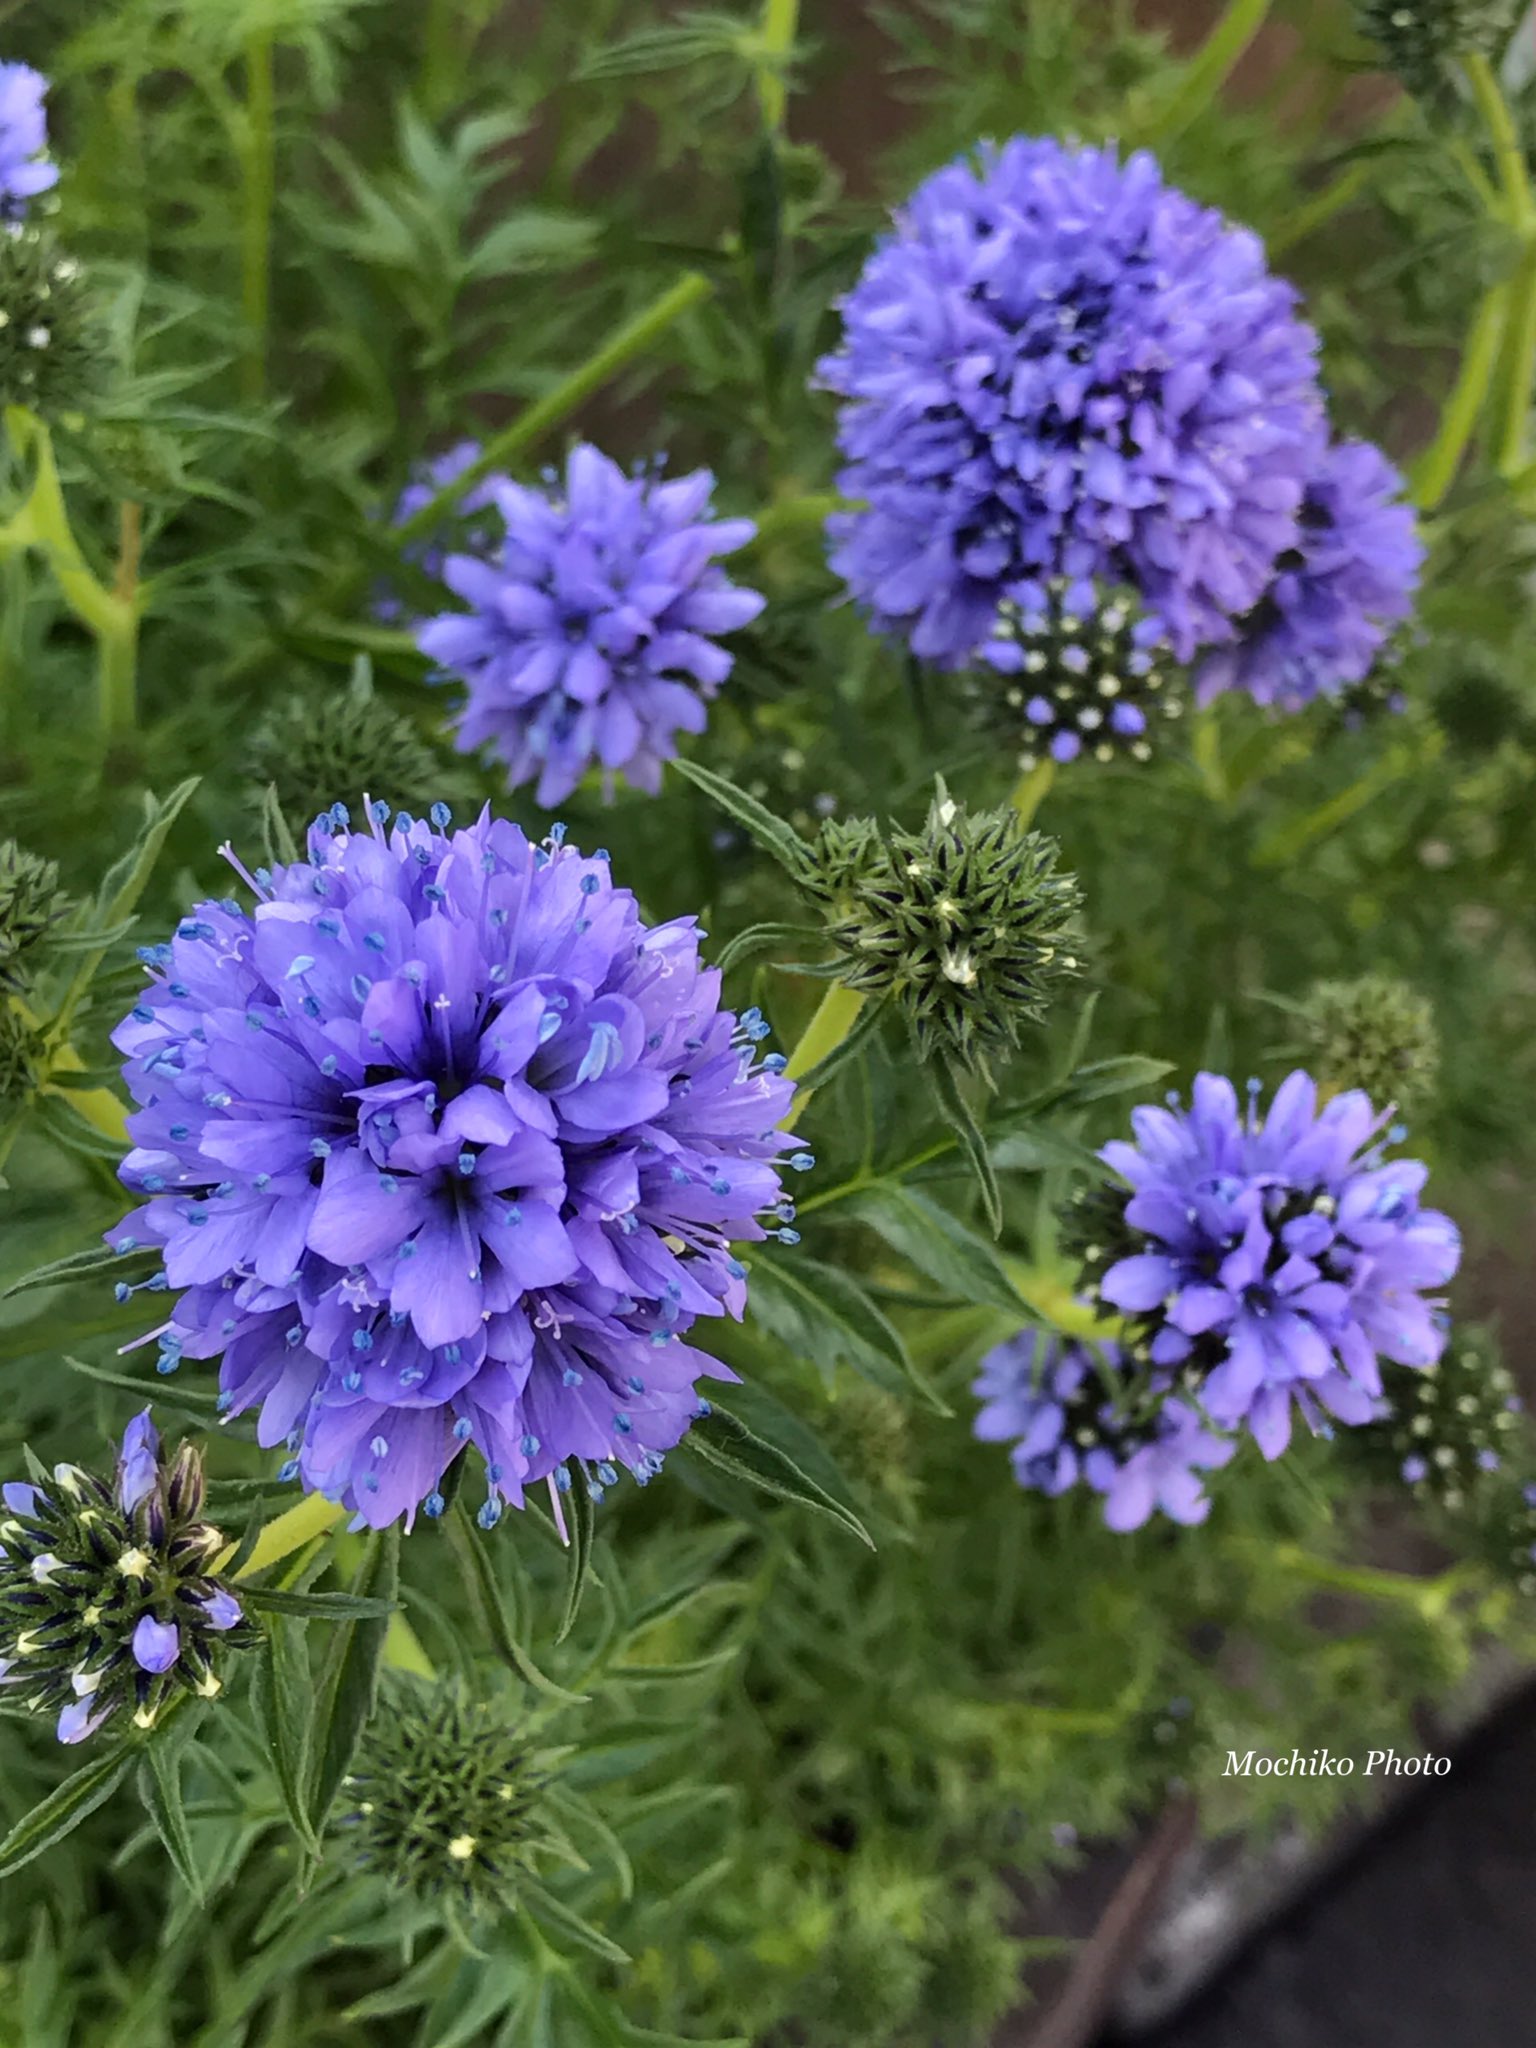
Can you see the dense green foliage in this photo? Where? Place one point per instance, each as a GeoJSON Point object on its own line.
{"type": "Point", "coordinates": [791, 1753]}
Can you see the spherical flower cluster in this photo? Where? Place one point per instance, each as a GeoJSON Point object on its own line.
{"type": "Point", "coordinates": [1444, 1430]}
{"type": "Point", "coordinates": [966, 925]}
{"type": "Point", "coordinates": [443, 1145]}
{"type": "Point", "coordinates": [591, 633]}
{"type": "Point", "coordinates": [23, 138]}
{"type": "Point", "coordinates": [1275, 1259]}
{"type": "Point", "coordinates": [1083, 671]}
{"type": "Point", "coordinates": [1337, 593]}
{"type": "Point", "coordinates": [108, 1596]}
{"type": "Point", "coordinates": [1059, 366]}
{"type": "Point", "coordinates": [445, 1798]}
{"type": "Point", "coordinates": [31, 904]}
{"type": "Point", "coordinates": [1081, 1416]}
{"type": "Point", "coordinates": [1376, 1034]}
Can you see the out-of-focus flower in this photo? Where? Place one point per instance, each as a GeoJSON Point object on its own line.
{"type": "Point", "coordinates": [23, 138]}
{"type": "Point", "coordinates": [592, 631]}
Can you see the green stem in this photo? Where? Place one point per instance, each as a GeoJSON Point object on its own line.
{"type": "Point", "coordinates": [1032, 790]}
{"type": "Point", "coordinates": [632, 340]}
{"type": "Point", "coordinates": [1508, 151]}
{"type": "Point", "coordinates": [835, 1017]}
{"type": "Point", "coordinates": [1518, 366]}
{"type": "Point", "coordinates": [787, 518]}
{"type": "Point", "coordinates": [260, 192]}
{"type": "Point", "coordinates": [1320, 208]}
{"type": "Point", "coordinates": [1435, 470]}
{"type": "Point", "coordinates": [781, 18]}
{"type": "Point", "coordinates": [1210, 67]}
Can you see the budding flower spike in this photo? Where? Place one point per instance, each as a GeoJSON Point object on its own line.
{"type": "Point", "coordinates": [1421, 40]}
{"type": "Point", "coordinates": [31, 904]}
{"type": "Point", "coordinates": [967, 925]}
{"type": "Point", "coordinates": [109, 1603]}
{"type": "Point", "coordinates": [445, 1147]}
{"type": "Point", "coordinates": [591, 637]}
{"type": "Point", "coordinates": [53, 343]}
{"type": "Point", "coordinates": [1266, 1260]}
{"type": "Point", "coordinates": [1376, 1034]}
{"type": "Point", "coordinates": [445, 1799]}
{"type": "Point", "coordinates": [1444, 1431]}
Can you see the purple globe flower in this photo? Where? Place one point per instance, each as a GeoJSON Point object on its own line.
{"type": "Point", "coordinates": [23, 138]}
{"type": "Point", "coordinates": [1082, 1416]}
{"type": "Point", "coordinates": [1273, 1260]}
{"type": "Point", "coordinates": [445, 1146]}
{"type": "Point", "coordinates": [1059, 366]}
{"type": "Point", "coordinates": [591, 632]}
{"type": "Point", "coordinates": [1337, 594]}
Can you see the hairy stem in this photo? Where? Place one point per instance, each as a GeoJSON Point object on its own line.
{"type": "Point", "coordinates": [1435, 470]}
{"type": "Point", "coordinates": [781, 18]}
{"type": "Point", "coordinates": [835, 1017]}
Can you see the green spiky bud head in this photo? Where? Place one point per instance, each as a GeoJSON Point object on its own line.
{"type": "Point", "coordinates": [31, 904]}
{"type": "Point", "coordinates": [53, 344]}
{"type": "Point", "coordinates": [966, 925]}
{"type": "Point", "coordinates": [21, 1059]}
{"type": "Point", "coordinates": [1076, 669]}
{"type": "Point", "coordinates": [109, 1598]}
{"type": "Point", "coordinates": [1421, 40]}
{"type": "Point", "coordinates": [317, 750]}
{"type": "Point", "coordinates": [1450, 1425]}
{"type": "Point", "coordinates": [1375, 1033]}
{"type": "Point", "coordinates": [446, 1797]}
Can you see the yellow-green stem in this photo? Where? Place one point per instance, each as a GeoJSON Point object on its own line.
{"type": "Point", "coordinates": [403, 1651]}
{"type": "Point", "coordinates": [781, 18]}
{"type": "Point", "coordinates": [1508, 150]}
{"type": "Point", "coordinates": [1209, 69]}
{"type": "Point", "coordinates": [1317, 211]}
{"type": "Point", "coordinates": [296, 1526]}
{"type": "Point", "coordinates": [1032, 789]}
{"type": "Point", "coordinates": [789, 517]}
{"type": "Point", "coordinates": [1518, 365]}
{"type": "Point", "coordinates": [631, 340]}
{"type": "Point", "coordinates": [259, 175]}
{"type": "Point", "coordinates": [1435, 470]}
{"type": "Point", "coordinates": [835, 1017]}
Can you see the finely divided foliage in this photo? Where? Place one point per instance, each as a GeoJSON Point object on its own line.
{"type": "Point", "coordinates": [970, 620]}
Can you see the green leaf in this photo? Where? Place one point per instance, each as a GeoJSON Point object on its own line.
{"type": "Point", "coordinates": [1038, 1148]}
{"type": "Point", "coordinates": [160, 1790]}
{"type": "Point", "coordinates": [81, 1265]}
{"type": "Point", "coordinates": [820, 1314]}
{"type": "Point", "coordinates": [278, 842]}
{"type": "Point", "coordinates": [122, 887]}
{"type": "Point", "coordinates": [66, 1806]}
{"type": "Point", "coordinates": [490, 1604]}
{"type": "Point", "coordinates": [957, 1113]}
{"type": "Point", "coordinates": [581, 1515]}
{"type": "Point", "coordinates": [319, 1606]}
{"type": "Point", "coordinates": [282, 1694]}
{"type": "Point", "coordinates": [1130, 1074]}
{"type": "Point", "coordinates": [936, 1243]}
{"type": "Point", "coordinates": [556, 1918]}
{"type": "Point", "coordinates": [725, 1442]}
{"type": "Point", "coordinates": [771, 833]}
{"type": "Point", "coordinates": [349, 1678]}
{"type": "Point", "coordinates": [762, 938]}
{"type": "Point", "coordinates": [164, 1389]}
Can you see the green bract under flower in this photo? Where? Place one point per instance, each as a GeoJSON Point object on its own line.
{"type": "Point", "coordinates": [1375, 1033]}
{"type": "Point", "coordinates": [53, 355]}
{"type": "Point", "coordinates": [108, 1596]}
{"type": "Point", "coordinates": [447, 1797]}
{"type": "Point", "coordinates": [31, 904]}
{"type": "Point", "coordinates": [965, 924]}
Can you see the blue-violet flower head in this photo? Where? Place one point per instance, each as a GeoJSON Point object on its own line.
{"type": "Point", "coordinates": [591, 635]}
{"type": "Point", "coordinates": [1338, 593]}
{"type": "Point", "coordinates": [1080, 1415]}
{"type": "Point", "coordinates": [1060, 366]}
{"type": "Point", "coordinates": [1266, 1259]}
{"type": "Point", "coordinates": [443, 1145]}
{"type": "Point", "coordinates": [23, 138]}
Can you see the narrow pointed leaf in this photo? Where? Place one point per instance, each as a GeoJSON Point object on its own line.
{"type": "Point", "coordinates": [65, 1807]}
